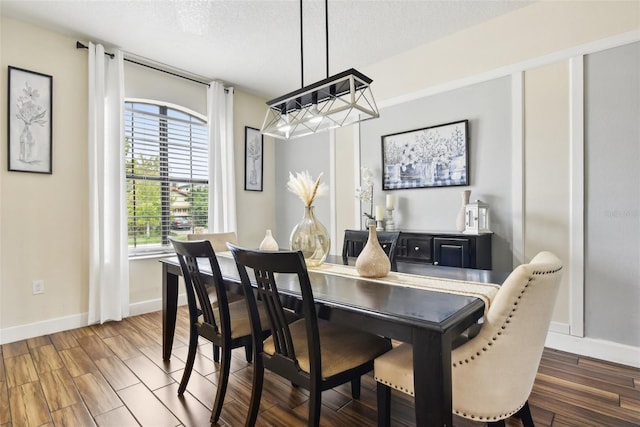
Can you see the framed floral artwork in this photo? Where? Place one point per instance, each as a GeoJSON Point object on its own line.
{"type": "Point", "coordinates": [29, 127]}
{"type": "Point", "coordinates": [436, 156]}
{"type": "Point", "coordinates": [252, 159]}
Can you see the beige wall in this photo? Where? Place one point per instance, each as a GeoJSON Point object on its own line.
{"type": "Point", "coordinates": [144, 83]}
{"type": "Point", "coordinates": [546, 155]}
{"type": "Point", "coordinates": [53, 246]}
{"type": "Point", "coordinates": [496, 46]}
{"type": "Point", "coordinates": [44, 218]}
{"type": "Point", "coordinates": [509, 43]}
{"type": "Point", "coordinates": [347, 160]}
{"type": "Point", "coordinates": [533, 31]}
{"type": "Point", "coordinates": [256, 209]}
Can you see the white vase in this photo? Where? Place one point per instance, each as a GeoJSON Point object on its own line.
{"type": "Point", "coordinates": [373, 261]}
{"type": "Point", "coordinates": [428, 173]}
{"type": "Point", "coordinates": [269, 243]}
{"type": "Point", "coordinates": [461, 213]}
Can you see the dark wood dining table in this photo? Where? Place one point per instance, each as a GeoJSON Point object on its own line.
{"type": "Point", "coordinates": [429, 320]}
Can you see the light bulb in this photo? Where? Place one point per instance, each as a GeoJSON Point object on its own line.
{"type": "Point", "coordinates": [315, 114]}
{"type": "Point", "coordinates": [283, 124]}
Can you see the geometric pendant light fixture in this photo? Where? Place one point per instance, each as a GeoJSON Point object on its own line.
{"type": "Point", "coordinates": [339, 100]}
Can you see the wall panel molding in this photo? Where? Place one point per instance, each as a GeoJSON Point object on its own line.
{"type": "Point", "coordinates": [598, 349]}
{"type": "Point", "coordinates": [577, 184]}
{"type": "Point", "coordinates": [517, 167]}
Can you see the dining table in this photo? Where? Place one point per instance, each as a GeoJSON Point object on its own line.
{"type": "Point", "coordinates": [429, 320]}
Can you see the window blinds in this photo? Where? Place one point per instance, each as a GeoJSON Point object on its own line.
{"type": "Point", "coordinates": [166, 161]}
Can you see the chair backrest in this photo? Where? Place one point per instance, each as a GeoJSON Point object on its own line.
{"type": "Point", "coordinates": [218, 240]}
{"type": "Point", "coordinates": [189, 253]}
{"type": "Point", "coordinates": [267, 267]}
{"type": "Point", "coordinates": [354, 241]}
{"type": "Point", "coordinates": [493, 373]}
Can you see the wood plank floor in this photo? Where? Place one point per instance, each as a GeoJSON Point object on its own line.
{"type": "Point", "coordinates": [113, 375]}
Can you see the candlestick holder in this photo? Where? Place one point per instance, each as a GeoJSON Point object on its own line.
{"type": "Point", "coordinates": [379, 226]}
{"type": "Point", "coordinates": [389, 224]}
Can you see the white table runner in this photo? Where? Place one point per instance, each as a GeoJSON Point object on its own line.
{"type": "Point", "coordinates": [485, 291]}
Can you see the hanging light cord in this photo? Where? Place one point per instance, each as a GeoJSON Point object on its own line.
{"type": "Point", "coordinates": [326, 30]}
{"type": "Point", "coordinates": [301, 50]}
{"type": "Point", "coordinates": [326, 35]}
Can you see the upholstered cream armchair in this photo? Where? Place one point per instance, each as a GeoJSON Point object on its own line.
{"type": "Point", "coordinates": [492, 373]}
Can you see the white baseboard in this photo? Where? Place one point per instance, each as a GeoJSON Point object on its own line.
{"type": "Point", "coordinates": [558, 337]}
{"type": "Point", "coordinates": [152, 305]}
{"type": "Point", "coordinates": [51, 326]}
{"type": "Point", "coordinates": [596, 348]}
{"type": "Point", "coordinates": [37, 329]}
{"type": "Point", "coordinates": [561, 328]}
{"type": "Point", "coordinates": [145, 307]}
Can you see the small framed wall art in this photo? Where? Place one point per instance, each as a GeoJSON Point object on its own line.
{"type": "Point", "coordinates": [436, 156]}
{"type": "Point", "coordinates": [253, 146]}
{"type": "Point", "coordinates": [29, 125]}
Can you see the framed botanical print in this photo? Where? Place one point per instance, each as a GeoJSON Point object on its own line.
{"type": "Point", "coordinates": [253, 146]}
{"type": "Point", "coordinates": [29, 125]}
{"type": "Point", "coordinates": [436, 156]}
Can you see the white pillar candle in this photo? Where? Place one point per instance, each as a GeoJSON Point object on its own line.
{"type": "Point", "coordinates": [390, 201]}
{"type": "Point", "coordinates": [379, 213]}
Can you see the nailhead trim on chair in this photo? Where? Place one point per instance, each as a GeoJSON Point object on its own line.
{"type": "Point", "coordinates": [490, 343]}
{"type": "Point", "coordinates": [405, 391]}
{"type": "Point", "coordinates": [481, 418]}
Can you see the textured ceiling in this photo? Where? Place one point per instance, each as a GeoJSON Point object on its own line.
{"type": "Point", "coordinates": [255, 44]}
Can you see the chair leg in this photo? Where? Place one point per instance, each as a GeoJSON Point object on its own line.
{"type": "Point", "coordinates": [191, 357]}
{"type": "Point", "coordinates": [499, 423]}
{"type": "Point", "coordinates": [256, 392]}
{"type": "Point", "coordinates": [216, 353]}
{"type": "Point", "coordinates": [248, 352]}
{"type": "Point", "coordinates": [315, 406]}
{"type": "Point", "coordinates": [223, 380]}
{"type": "Point", "coordinates": [525, 415]}
{"type": "Point", "coordinates": [384, 405]}
{"type": "Point", "coordinates": [355, 388]}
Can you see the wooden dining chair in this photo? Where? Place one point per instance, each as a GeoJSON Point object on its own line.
{"type": "Point", "coordinates": [354, 241]}
{"type": "Point", "coordinates": [219, 244]}
{"type": "Point", "coordinates": [218, 240]}
{"type": "Point", "coordinates": [311, 353]}
{"type": "Point", "coordinates": [493, 372]}
{"type": "Point", "coordinates": [226, 324]}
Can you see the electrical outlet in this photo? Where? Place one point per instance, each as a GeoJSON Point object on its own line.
{"type": "Point", "coordinates": [38, 287]}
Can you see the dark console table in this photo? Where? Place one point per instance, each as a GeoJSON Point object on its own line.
{"type": "Point", "coordinates": [445, 249]}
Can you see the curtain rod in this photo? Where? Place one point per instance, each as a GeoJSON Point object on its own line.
{"type": "Point", "coordinates": [111, 55]}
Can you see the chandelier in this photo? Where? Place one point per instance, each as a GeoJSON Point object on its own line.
{"type": "Point", "coordinates": [336, 101]}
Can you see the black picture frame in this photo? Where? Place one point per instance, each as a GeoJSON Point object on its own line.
{"type": "Point", "coordinates": [29, 121]}
{"type": "Point", "coordinates": [434, 156]}
{"type": "Point", "coordinates": [253, 159]}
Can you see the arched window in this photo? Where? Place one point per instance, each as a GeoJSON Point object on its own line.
{"type": "Point", "coordinates": [167, 174]}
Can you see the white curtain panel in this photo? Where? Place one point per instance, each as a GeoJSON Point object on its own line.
{"type": "Point", "coordinates": [222, 191]}
{"type": "Point", "coordinates": [108, 248]}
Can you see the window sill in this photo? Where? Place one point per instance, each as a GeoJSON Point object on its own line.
{"type": "Point", "coordinates": [154, 255]}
